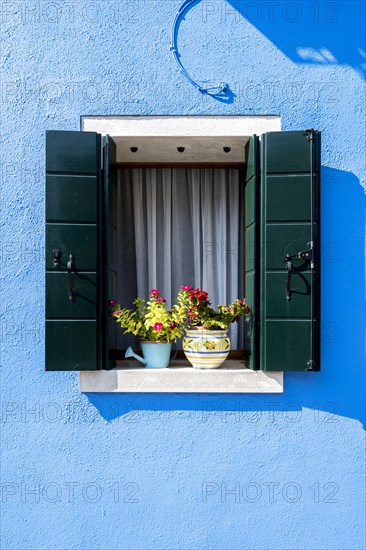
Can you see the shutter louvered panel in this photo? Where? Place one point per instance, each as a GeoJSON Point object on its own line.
{"type": "Point", "coordinates": [251, 266]}
{"type": "Point", "coordinates": [290, 290]}
{"type": "Point", "coordinates": [73, 189]}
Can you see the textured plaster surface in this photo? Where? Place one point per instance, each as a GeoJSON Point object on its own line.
{"type": "Point", "coordinates": [181, 471]}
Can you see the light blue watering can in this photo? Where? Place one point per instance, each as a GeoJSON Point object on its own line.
{"type": "Point", "coordinates": [156, 354]}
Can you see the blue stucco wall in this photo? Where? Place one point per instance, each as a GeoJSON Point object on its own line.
{"type": "Point", "coordinates": [158, 471]}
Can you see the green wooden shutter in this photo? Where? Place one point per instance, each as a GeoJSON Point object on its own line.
{"type": "Point", "coordinates": [73, 219]}
{"type": "Point", "coordinates": [289, 225]}
{"type": "Point", "coordinates": [251, 261]}
{"type": "Point", "coordinates": [109, 247]}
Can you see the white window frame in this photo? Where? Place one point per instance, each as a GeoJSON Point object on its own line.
{"type": "Point", "coordinates": [203, 137]}
{"type": "Point", "coordinates": [165, 133]}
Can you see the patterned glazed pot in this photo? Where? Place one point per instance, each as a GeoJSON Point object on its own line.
{"type": "Point", "coordinates": [206, 348]}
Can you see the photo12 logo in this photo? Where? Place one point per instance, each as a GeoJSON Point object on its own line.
{"type": "Point", "coordinates": [270, 12]}
{"type": "Point", "coordinates": [268, 491]}
{"type": "Point", "coordinates": [69, 492]}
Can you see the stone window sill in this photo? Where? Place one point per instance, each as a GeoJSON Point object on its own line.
{"type": "Point", "coordinates": [232, 377]}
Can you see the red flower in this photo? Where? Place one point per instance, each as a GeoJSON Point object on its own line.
{"type": "Point", "coordinates": [173, 325]}
{"type": "Point", "coordinates": [199, 295]}
{"type": "Point", "coordinates": [161, 299]}
{"type": "Point", "coordinates": [158, 326]}
{"type": "Point", "coordinates": [112, 303]}
{"type": "Point", "coordinates": [154, 292]}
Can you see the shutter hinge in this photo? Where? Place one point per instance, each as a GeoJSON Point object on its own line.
{"type": "Point", "coordinates": [311, 134]}
{"type": "Point", "coordinates": [310, 365]}
{"type": "Point", "coordinates": [56, 255]}
{"type": "Point", "coordinates": [306, 255]}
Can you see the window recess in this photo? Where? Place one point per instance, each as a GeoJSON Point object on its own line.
{"type": "Point", "coordinates": [279, 203]}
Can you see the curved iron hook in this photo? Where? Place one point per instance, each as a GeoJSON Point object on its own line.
{"type": "Point", "coordinates": [218, 89]}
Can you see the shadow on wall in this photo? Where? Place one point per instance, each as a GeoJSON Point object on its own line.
{"type": "Point", "coordinates": [313, 30]}
{"type": "Point", "coordinates": [338, 390]}
{"type": "Point", "coordinates": [307, 33]}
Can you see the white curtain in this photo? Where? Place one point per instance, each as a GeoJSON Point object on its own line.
{"type": "Point", "coordinates": [181, 226]}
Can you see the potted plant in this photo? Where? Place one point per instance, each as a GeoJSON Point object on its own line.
{"type": "Point", "coordinates": [155, 325]}
{"type": "Point", "coordinates": [206, 344]}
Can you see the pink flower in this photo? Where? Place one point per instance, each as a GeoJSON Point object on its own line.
{"type": "Point", "coordinates": [161, 299]}
{"type": "Point", "coordinates": [154, 292]}
{"type": "Point", "coordinates": [117, 312]}
{"type": "Point", "coordinates": [158, 326]}
{"type": "Point", "coordinates": [112, 303]}
{"type": "Point", "coordinates": [186, 287]}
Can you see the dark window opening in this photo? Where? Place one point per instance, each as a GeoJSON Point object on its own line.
{"type": "Point", "coordinates": [180, 226]}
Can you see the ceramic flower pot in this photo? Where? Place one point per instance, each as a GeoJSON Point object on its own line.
{"type": "Point", "coordinates": [206, 348]}
{"type": "Point", "coordinates": [156, 354]}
